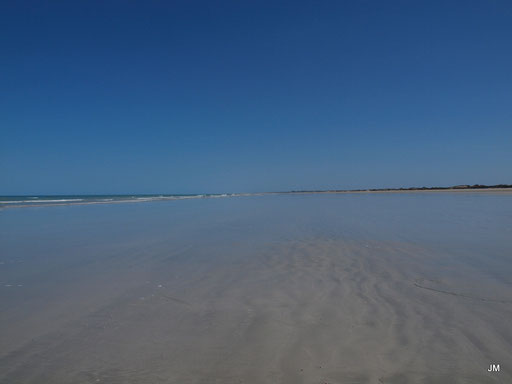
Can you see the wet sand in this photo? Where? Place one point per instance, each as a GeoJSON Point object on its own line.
{"type": "Point", "coordinates": [406, 288]}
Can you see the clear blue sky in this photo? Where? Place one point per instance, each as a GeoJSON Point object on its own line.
{"type": "Point", "coordinates": [191, 96]}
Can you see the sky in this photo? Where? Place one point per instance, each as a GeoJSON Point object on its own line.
{"type": "Point", "coordinates": [104, 97]}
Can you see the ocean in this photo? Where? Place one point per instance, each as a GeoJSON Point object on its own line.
{"type": "Point", "coordinates": [44, 200]}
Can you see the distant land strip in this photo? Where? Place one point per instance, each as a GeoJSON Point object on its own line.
{"type": "Point", "coordinates": [455, 187]}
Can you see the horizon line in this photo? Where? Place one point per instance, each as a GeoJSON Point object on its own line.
{"type": "Point", "coordinates": [415, 188]}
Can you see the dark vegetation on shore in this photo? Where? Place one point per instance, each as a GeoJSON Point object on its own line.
{"type": "Point", "coordinates": [455, 187]}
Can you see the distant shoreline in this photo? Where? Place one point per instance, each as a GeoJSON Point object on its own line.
{"type": "Point", "coordinates": [448, 190]}
{"type": "Point", "coordinates": [50, 201]}
{"type": "Point", "coordinates": [456, 188]}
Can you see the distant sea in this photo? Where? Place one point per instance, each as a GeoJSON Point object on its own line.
{"type": "Point", "coordinates": [46, 200]}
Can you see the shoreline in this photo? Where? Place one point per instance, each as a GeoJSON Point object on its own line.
{"type": "Point", "coordinates": [333, 192]}
{"type": "Point", "coordinates": [404, 190]}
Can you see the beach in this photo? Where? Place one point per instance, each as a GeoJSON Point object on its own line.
{"type": "Point", "coordinates": [409, 287]}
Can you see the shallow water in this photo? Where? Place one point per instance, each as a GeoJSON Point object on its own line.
{"type": "Point", "coordinates": [341, 288]}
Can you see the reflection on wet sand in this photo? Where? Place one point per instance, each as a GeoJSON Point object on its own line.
{"type": "Point", "coordinates": [253, 302]}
